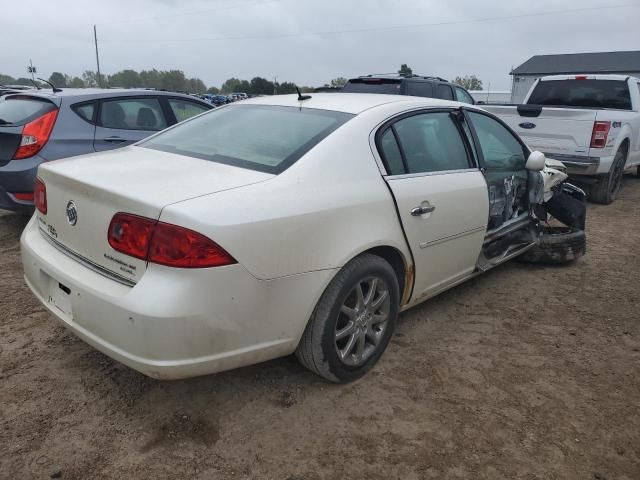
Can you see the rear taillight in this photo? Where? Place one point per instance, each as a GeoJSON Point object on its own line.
{"type": "Point", "coordinates": [164, 243]}
{"type": "Point", "coordinates": [599, 134]}
{"type": "Point", "coordinates": [40, 196]}
{"type": "Point", "coordinates": [581, 77]}
{"type": "Point", "coordinates": [35, 134]}
{"type": "Point", "coordinates": [23, 196]}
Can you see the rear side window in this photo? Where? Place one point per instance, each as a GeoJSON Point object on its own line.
{"type": "Point", "coordinates": [431, 142]}
{"type": "Point", "coordinates": [85, 111]}
{"type": "Point", "coordinates": [420, 89]}
{"type": "Point", "coordinates": [582, 93]}
{"type": "Point", "coordinates": [373, 85]}
{"type": "Point", "coordinates": [444, 91]}
{"type": "Point", "coordinates": [18, 110]}
{"type": "Point", "coordinates": [258, 137]}
{"type": "Point", "coordinates": [391, 153]}
{"type": "Point", "coordinates": [132, 114]}
{"type": "Point", "coordinates": [184, 109]}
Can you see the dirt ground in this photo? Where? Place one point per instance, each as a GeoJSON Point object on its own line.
{"type": "Point", "coordinates": [523, 373]}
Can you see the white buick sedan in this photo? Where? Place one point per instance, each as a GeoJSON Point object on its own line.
{"type": "Point", "coordinates": [282, 224]}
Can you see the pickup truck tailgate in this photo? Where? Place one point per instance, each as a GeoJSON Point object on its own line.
{"type": "Point", "coordinates": [561, 131]}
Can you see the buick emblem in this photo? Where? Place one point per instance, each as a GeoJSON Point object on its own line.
{"type": "Point", "coordinates": [527, 125]}
{"type": "Point", "coordinates": [72, 213]}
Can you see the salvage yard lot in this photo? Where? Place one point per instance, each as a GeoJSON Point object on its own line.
{"type": "Point", "coordinates": [526, 372]}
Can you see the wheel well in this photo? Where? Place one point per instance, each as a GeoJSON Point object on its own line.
{"type": "Point", "coordinates": [404, 272]}
{"type": "Point", "coordinates": [625, 146]}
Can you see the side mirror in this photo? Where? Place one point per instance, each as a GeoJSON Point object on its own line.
{"type": "Point", "coordinates": [535, 162]}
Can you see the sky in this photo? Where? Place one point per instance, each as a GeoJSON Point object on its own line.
{"type": "Point", "coordinates": [309, 42]}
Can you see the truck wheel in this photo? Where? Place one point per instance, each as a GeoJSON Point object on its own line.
{"type": "Point", "coordinates": [353, 322]}
{"type": "Point", "coordinates": [557, 245]}
{"type": "Point", "coordinates": [606, 189]}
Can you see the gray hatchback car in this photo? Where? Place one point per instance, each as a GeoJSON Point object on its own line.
{"type": "Point", "coordinates": [42, 125]}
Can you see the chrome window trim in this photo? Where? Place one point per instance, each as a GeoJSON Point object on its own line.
{"type": "Point", "coordinates": [429, 174]}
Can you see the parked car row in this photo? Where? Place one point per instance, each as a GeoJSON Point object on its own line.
{"type": "Point", "coordinates": [218, 100]}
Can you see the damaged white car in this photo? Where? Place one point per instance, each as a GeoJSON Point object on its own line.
{"type": "Point", "coordinates": [287, 224]}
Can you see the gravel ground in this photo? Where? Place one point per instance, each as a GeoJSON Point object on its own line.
{"type": "Point", "coordinates": [523, 373]}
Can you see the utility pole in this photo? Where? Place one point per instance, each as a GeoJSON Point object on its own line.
{"type": "Point", "coordinates": [95, 39]}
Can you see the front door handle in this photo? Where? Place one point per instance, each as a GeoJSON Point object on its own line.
{"type": "Point", "coordinates": [115, 139]}
{"type": "Point", "coordinates": [422, 210]}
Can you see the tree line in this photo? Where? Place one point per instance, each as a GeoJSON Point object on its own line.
{"type": "Point", "coordinates": [176, 80]}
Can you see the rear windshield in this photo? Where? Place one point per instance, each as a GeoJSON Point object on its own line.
{"type": "Point", "coordinates": [372, 85]}
{"type": "Point", "coordinates": [18, 110]}
{"type": "Point", "coordinates": [258, 137]}
{"type": "Point", "coordinates": [582, 93]}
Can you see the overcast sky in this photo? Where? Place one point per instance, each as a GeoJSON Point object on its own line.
{"type": "Point", "coordinates": [309, 41]}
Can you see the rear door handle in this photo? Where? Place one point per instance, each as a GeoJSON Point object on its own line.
{"type": "Point", "coordinates": [422, 210]}
{"type": "Point", "coordinates": [114, 139]}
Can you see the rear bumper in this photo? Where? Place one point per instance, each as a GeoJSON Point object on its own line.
{"type": "Point", "coordinates": [174, 323]}
{"type": "Point", "coordinates": [18, 176]}
{"type": "Point", "coordinates": [584, 165]}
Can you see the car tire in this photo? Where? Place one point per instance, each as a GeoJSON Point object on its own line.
{"type": "Point", "coordinates": [348, 332]}
{"type": "Point", "coordinates": [557, 245]}
{"type": "Point", "coordinates": [606, 188]}
{"type": "Point", "coordinates": [638, 171]}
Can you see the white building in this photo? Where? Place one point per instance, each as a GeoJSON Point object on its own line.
{"type": "Point", "coordinates": [621, 63]}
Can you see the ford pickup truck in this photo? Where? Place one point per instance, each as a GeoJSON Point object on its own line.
{"type": "Point", "coordinates": [589, 122]}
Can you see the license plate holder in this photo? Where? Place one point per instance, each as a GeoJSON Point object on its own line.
{"type": "Point", "coordinates": [60, 297]}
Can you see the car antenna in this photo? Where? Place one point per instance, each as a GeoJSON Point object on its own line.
{"type": "Point", "coordinates": [35, 84]}
{"type": "Point", "coordinates": [53, 87]}
{"type": "Point", "coordinates": [302, 97]}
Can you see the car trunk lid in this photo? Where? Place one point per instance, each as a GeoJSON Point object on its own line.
{"type": "Point", "coordinates": [84, 193]}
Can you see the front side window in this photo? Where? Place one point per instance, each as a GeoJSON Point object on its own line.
{"type": "Point", "coordinates": [463, 96]}
{"type": "Point", "coordinates": [259, 137]}
{"type": "Point", "coordinates": [430, 142]}
{"type": "Point", "coordinates": [132, 114]}
{"type": "Point", "coordinates": [184, 109]}
{"type": "Point", "coordinates": [500, 149]}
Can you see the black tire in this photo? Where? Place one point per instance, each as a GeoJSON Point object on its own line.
{"type": "Point", "coordinates": [318, 349]}
{"type": "Point", "coordinates": [557, 245]}
{"type": "Point", "coordinates": [638, 171]}
{"type": "Point", "coordinates": [606, 188]}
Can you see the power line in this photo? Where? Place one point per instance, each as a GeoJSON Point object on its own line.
{"type": "Point", "coordinates": [379, 29]}
{"type": "Point", "coordinates": [228, 6]}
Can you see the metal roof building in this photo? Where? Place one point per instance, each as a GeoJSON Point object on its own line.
{"type": "Point", "coordinates": [622, 63]}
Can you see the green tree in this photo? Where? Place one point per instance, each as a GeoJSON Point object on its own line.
{"type": "Point", "coordinates": [58, 79]}
{"type": "Point", "coordinates": [260, 86]}
{"type": "Point", "coordinates": [125, 79]}
{"type": "Point", "coordinates": [75, 82]}
{"type": "Point", "coordinates": [213, 90]}
{"type": "Point", "coordinates": [196, 86]}
{"type": "Point", "coordinates": [6, 79]}
{"type": "Point", "coordinates": [286, 87]}
{"type": "Point", "coordinates": [173, 80]}
{"type": "Point", "coordinates": [470, 82]}
{"type": "Point", "coordinates": [90, 78]}
{"type": "Point", "coordinates": [25, 81]}
{"type": "Point", "coordinates": [405, 70]}
{"type": "Point", "coordinates": [232, 85]}
{"type": "Point", "coordinates": [340, 82]}
{"type": "Point", "coordinates": [150, 79]}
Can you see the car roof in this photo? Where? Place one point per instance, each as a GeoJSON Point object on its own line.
{"type": "Point", "coordinates": [353, 103]}
{"type": "Point", "coordinates": [589, 76]}
{"type": "Point", "coordinates": [395, 76]}
{"type": "Point", "coordinates": [82, 94]}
